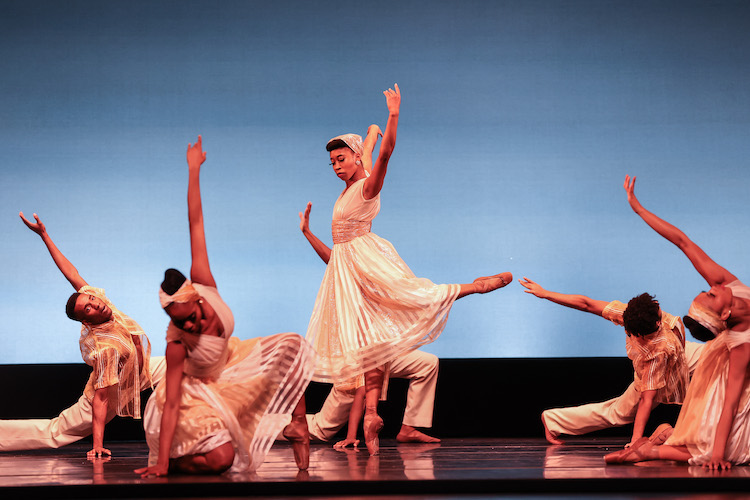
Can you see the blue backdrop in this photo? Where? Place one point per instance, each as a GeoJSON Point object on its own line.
{"type": "Point", "coordinates": [519, 121]}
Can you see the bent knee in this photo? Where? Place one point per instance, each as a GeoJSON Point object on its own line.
{"type": "Point", "coordinates": [220, 459]}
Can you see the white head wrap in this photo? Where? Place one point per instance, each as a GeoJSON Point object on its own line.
{"type": "Point", "coordinates": [185, 293]}
{"type": "Point", "coordinates": [354, 142]}
{"type": "Point", "coordinates": [707, 318]}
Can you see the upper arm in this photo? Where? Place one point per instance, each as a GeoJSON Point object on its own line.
{"type": "Point", "coordinates": [77, 281]}
{"type": "Point", "coordinates": [595, 306]}
{"type": "Point", "coordinates": [175, 357]}
{"type": "Point", "coordinates": [739, 358]}
{"type": "Point", "coordinates": [200, 270]}
{"type": "Point", "coordinates": [713, 273]}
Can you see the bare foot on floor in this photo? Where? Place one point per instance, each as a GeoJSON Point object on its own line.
{"type": "Point", "coordinates": [548, 435]}
{"type": "Point", "coordinates": [489, 283]}
{"type": "Point", "coordinates": [409, 434]}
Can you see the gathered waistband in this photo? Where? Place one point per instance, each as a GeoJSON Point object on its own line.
{"type": "Point", "coordinates": [346, 230]}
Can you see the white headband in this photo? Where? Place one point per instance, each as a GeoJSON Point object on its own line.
{"type": "Point", "coordinates": [707, 318]}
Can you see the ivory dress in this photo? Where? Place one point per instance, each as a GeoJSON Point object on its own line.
{"type": "Point", "coordinates": [696, 425]}
{"type": "Point", "coordinates": [370, 307]}
{"type": "Point", "coordinates": [242, 391]}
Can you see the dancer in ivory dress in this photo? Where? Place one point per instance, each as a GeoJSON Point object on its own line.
{"type": "Point", "coordinates": [370, 307]}
{"type": "Point", "coordinates": [713, 429]}
{"type": "Point", "coordinates": [224, 400]}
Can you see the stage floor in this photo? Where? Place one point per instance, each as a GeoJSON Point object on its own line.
{"type": "Point", "coordinates": [455, 468]}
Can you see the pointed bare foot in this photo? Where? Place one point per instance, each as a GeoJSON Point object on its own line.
{"type": "Point", "coordinates": [409, 434]}
{"type": "Point", "coordinates": [372, 426]}
{"type": "Point", "coordinates": [489, 283]}
{"type": "Point", "coordinates": [298, 434]}
{"type": "Point", "coordinates": [548, 435]}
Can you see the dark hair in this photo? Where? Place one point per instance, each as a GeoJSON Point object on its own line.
{"type": "Point", "coordinates": [336, 144]}
{"type": "Point", "coordinates": [641, 315]}
{"type": "Point", "coordinates": [70, 307]}
{"type": "Point", "coordinates": [697, 330]}
{"type": "Point", "coordinates": [173, 280]}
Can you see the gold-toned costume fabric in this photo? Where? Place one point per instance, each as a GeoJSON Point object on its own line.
{"type": "Point", "coordinates": [112, 349]}
{"type": "Point", "coordinates": [370, 307]}
{"type": "Point", "coordinates": [239, 391]}
{"type": "Point", "coordinates": [696, 425]}
{"type": "Point", "coordinates": [659, 358]}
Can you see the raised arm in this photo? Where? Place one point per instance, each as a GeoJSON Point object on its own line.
{"type": "Point", "coordinates": [712, 272]}
{"type": "Point", "coordinates": [63, 264]}
{"type": "Point", "coordinates": [304, 224]}
{"type": "Point", "coordinates": [374, 183]}
{"type": "Point", "coordinates": [580, 302]}
{"type": "Point", "coordinates": [200, 271]}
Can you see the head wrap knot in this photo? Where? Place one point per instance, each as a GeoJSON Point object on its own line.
{"type": "Point", "coordinates": [186, 293]}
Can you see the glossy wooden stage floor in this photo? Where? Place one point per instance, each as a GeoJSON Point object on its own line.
{"type": "Point", "coordinates": [455, 468]}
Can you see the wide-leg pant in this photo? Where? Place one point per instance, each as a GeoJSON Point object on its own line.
{"type": "Point", "coordinates": [71, 425]}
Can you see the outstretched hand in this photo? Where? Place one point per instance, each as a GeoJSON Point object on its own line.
{"type": "Point", "coordinates": [393, 99]}
{"type": "Point", "coordinates": [304, 218]}
{"type": "Point", "coordinates": [532, 287]}
{"type": "Point", "coordinates": [629, 186]}
{"type": "Point", "coordinates": [195, 154]}
{"type": "Point", "coordinates": [37, 227]}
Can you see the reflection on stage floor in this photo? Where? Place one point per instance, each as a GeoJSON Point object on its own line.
{"type": "Point", "coordinates": [455, 467]}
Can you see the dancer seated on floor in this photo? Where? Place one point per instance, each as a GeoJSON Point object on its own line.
{"type": "Point", "coordinates": [714, 423]}
{"type": "Point", "coordinates": [655, 343]}
{"type": "Point", "coordinates": [224, 400]}
{"type": "Point", "coordinates": [118, 352]}
{"type": "Point", "coordinates": [370, 307]}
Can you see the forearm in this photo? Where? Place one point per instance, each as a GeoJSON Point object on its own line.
{"type": "Point", "coordinates": [63, 264]}
{"type": "Point", "coordinates": [389, 138]}
{"type": "Point", "coordinates": [662, 227]}
{"type": "Point", "coordinates": [575, 301]}
{"type": "Point", "coordinates": [323, 251]}
{"type": "Point", "coordinates": [166, 432]}
{"type": "Point", "coordinates": [355, 414]}
{"type": "Point", "coordinates": [645, 405]}
{"type": "Point", "coordinates": [738, 362]}
{"type": "Point", "coordinates": [200, 270]}
{"type": "Point", "coordinates": [100, 407]}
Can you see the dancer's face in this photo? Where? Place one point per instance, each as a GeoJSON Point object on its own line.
{"type": "Point", "coordinates": [718, 299]}
{"type": "Point", "coordinates": [344, 163]}
{"type": "Point", "coordinates": [92, 310]}
{"type": "Point", "coordinates": [187, 316]}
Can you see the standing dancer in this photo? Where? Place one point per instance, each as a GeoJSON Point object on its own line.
{"type": "Point", "coordinates": [224, 400]}
{"type": "Point", "coordinates": [118, 352]}
{"type": "Point", "coordinates": [370, 307]}
{"type": "Point", "coordinates": [714, 424]}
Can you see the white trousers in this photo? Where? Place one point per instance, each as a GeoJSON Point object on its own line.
{"type": "Point", "coordinates": [71, 425]}
{"type": "Point", "coordinates": [577, 420]}
{"type": "Point", "coordinates": [420, 368]}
